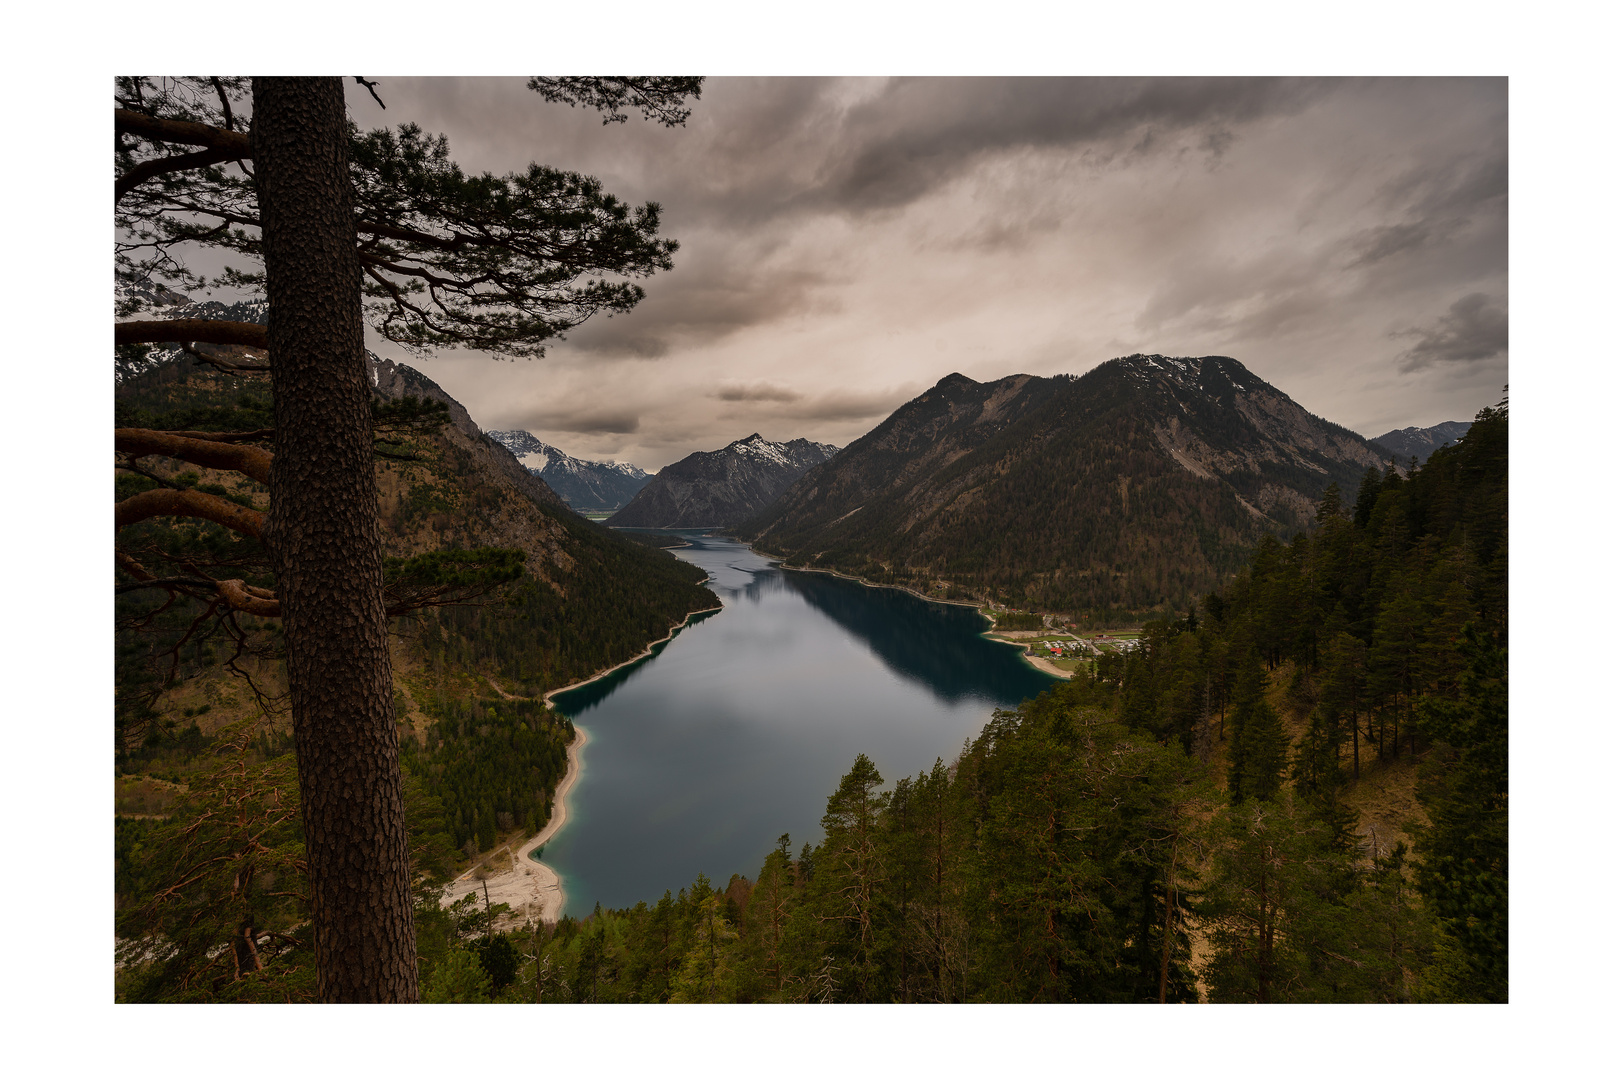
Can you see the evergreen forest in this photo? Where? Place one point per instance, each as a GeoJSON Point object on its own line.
{"type": "Point", "coordinates": [1181, 824]}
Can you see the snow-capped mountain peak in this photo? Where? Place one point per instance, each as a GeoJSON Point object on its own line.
{"type": "Point", "coordinates": [584, 485]}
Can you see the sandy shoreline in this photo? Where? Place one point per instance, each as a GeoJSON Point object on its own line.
{"type": "Point", "coordinates": [532, 888]}
{"type": "Point", "coordinates": [1042, 665]}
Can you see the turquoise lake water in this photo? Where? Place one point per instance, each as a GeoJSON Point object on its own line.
{"type": "Point", "coordinates": [739, 728]}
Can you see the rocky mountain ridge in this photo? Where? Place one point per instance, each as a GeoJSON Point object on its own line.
{"type": "Point", "coordinates": [720, 488]}
{"type": "Point", "coordinates": [584, 485]}
{"type": "Point", "coordinates": [1134, 487]}
{"type": "Point", "coordinates": [1419, 442]}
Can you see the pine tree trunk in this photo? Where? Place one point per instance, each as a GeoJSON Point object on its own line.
{"type": "Point", "coordinates": [323, 533]}
{"type": "Point", "coordinates": [1355, 743]}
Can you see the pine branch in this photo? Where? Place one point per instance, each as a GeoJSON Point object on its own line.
{"type": "Point", "coordinates": [211, 331]}
{"type": "Point", "coordinates": [185, 132]}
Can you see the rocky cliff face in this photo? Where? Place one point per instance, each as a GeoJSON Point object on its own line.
{"type": "Point", "coordinates": [1133, 487]}
{"type": "Point", "coordinates": [720, 488]}
{"type": "Point", "coordinates": [584, 485]}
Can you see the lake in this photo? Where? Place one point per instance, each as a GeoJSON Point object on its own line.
{"type": "Point", "coordinates": [740, 727]}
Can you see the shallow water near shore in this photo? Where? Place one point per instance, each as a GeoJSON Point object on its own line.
{"type": "Point", "coordinates": [739, 728]}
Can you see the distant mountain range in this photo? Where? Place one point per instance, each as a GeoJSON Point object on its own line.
{"type": "Point", "coordinates": [584, 485]}
{"type": "Point", "coordinates": [720, 488]}
{"type": "Point", "coordinates": [1418, 442]}
{"type": "Point", "coordinates": [1136, 487]}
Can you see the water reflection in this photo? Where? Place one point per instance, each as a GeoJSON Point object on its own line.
{"type": "Point", "coordinates": [936, 645]}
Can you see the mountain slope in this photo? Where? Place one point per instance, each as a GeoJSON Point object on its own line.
{"type": "Point", "coordinates": [1135, 487]}
{"type": "Point", "coordinates": [584, 485]}
{"type": "Point", "coordinates": [1419, 442]}
{"type": "Point", "coordinates": [720, 488]}
{"type": "Point", "coordinates": [588, 599]}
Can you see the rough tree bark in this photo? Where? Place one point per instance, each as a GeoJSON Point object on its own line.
{"type": "Point", "coordinates": [323, 533]}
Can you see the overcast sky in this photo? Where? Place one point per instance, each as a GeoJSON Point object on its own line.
{"type": "Point", "coordinates": [846, 243]}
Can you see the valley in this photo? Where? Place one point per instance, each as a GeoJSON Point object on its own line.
{"type": "Point", "coordinates": [839, 601]}
{"type": "Point", "coordinates": [678, 738]}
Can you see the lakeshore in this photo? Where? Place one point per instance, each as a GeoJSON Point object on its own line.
{"type": "Point", "coordinates": [529, 886]}
{"type": "Point", "coordinates": [647, 651]}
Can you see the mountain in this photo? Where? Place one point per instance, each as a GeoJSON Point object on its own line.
{"type": "Point", "coordinates": [1134, 488]}
{"type": "Point", "coordinates": [720, 488]}
{"type": "Point", "coordinates": [584, 485]}
{"type": "Point", "coordinates": [1405, 443]}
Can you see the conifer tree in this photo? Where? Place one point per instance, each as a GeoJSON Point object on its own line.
{"type": "Point", "coordinates": [1465, 853]}
{"type": "Point", "coordinates": [766, 920]}
{"type": "Point", "coordinates": [442, 259]}
{"type": "Point", "coordinates": [1257, 743]}
{"type": "Point", "coordinates": [849, 876]}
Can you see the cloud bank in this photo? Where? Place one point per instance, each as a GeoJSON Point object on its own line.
{"type": "Point", "coordinates": [846, 242]}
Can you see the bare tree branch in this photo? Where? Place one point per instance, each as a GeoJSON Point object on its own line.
{"type": "Point", "coordinates": [212, 331]}
{"type": "Point", "coordinates": [221, 362]}
{"type": "Point", "coordinates": [251, 461]}
{"type": "Point", "coordinates": [147, 170]}
{"type": "Point", "coordinates": [371, 88]}
{"type": "Point", "coordinates": [165, 502]}
{"type": "Point", "coordinates": [249, 598]}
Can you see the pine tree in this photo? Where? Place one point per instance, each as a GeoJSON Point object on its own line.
{"type": "Point", "coordinates": [849, 876]}
{"type": "Point", "coordinates": [1257, 743]}
{"type": "Point", "coordinates": [766, 921]}
{"type": "Point", "coordinates": [1464, 855]}
{"type": "Point", "coordinates": [1255, 895]}
{"type": "Point", "coordinates": [337, 216]}
{"type": "Point", "coordinates": [707, 970]}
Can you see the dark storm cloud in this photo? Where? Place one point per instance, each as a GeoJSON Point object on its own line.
{"type": "Point", "coordinates": [1373, 245]}
{"type": "Point", "coordinates": [922, 132]}
{"type": "Point", "coordinates": [788, 404]}
{"type": "Point", "coordinates": [787, 150]}
{"type": "Point", "coordinates": [758, 392]}
{"type": "Point", "coordinates": [1465, 185]}
{"type": "Point", "coordinates": [583, 421]}
{"type": "Point", "coordinates": [1475, 328]}
{"type": "Point", "coordinates": [849, 406]}
{"type": "Point", "coordinates": [712, 294]}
